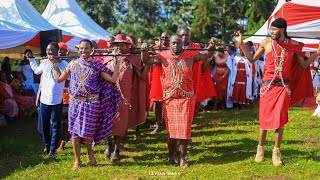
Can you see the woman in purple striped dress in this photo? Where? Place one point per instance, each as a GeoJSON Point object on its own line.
{"type": "Point", "coordinates": [85, 104]}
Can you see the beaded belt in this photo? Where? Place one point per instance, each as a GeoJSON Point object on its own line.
{"type": "Point", "coordinates": [276, 82]}
{"type": "Point", "coordinates": [240, 69]}
{"type": "Point", "coordinates": [240, 82]}
{"type": "Point", "coordinates": [90, 97]}
{"type": "Point", "coordinates": [221, 69]}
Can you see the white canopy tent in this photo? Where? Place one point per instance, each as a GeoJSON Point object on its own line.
{"type": "Point", "coordinates": [20, 22]}
{"type": "Point", "coordinates": [68, 16]}
{"type": "Point", "coordinates": [12, 35]}
{"type": "Point", "coordinates": [303, 19]}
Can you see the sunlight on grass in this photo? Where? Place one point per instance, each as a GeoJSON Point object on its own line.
{"type": "Point", "coordinates": [224, 145]}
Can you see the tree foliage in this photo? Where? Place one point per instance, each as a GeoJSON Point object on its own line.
{"type": "Point", "coordinates": [149, 18]}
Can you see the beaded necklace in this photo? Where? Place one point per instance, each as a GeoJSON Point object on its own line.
{"type": "Point", "coordinates": [124, 100]}
{"type": "Point", "coordinates": [177, 78]}
{"type": "Point", "coordinates": [278, 68]}
{"type": "Point", "coordinates": [81, 78]}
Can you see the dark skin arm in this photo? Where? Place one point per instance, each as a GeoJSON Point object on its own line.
{"type": "Point", "coordinates": [246, 51]}
{"type": "Point", "coordinates": [209, 52]}
{"type": "Point", "coordinates": [146, 59]}
{"type": "Point", "coordinates": [306, 63]}
{"type": "Point", "coordinates": [205, 65]}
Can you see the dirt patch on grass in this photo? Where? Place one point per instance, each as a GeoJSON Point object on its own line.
{"type": "Point", "coordinates": [312, 127]}
{"type": "Point", "coordinates": [312, 139]}
{"type": "Point", "coordinates": [279, 177]}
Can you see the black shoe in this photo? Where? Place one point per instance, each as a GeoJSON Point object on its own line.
{"type": "Point", "coordinates": [184, 163]}
{"type": "Point", "coordinates": [51, 154]}
{"type": "Point", "coordinates": [107, 152]}
{"type": "Point", "coordinates": [156, 130]}
{"type": "Point", "coordinates": [46, 150]}
{"type": "Point", "coordinates": [189, 144]}
{"type": "Point", "coordinates": [115, 157]}
{"type": "Point", "coordinates": [170, 161]}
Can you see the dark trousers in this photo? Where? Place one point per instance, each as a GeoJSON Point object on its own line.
{"type": "Point", "coordinates": [51, 135]}
{"type": "Point", "coordinates": [40, 125]}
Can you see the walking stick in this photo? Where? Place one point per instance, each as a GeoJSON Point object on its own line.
{"type": "Point", "coordinates": [298, 37]}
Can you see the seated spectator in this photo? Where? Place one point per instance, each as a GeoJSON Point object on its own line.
{"type": "Point", "coordinates": [10, 102]}
{"type": "Point", "coordinates": [6, 67]}
{"type": "Point", "coordinates": [31, 80]}
{"type": "Point", "coordinates": [18, 84]}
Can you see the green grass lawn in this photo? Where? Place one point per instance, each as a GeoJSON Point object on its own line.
{"type": "Point", "coordinates": [224, 145]}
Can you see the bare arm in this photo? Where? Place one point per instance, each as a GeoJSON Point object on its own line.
{"type": "Point", "coordinates": [256, 56]}
{"type": "Point", "coordinates": [205, 65]}
{"type": "Point", "coordinates": [111, 78]}
{"type": "Point", "coordinates": [305, 63]}
{"type": "Point", "coordinates": [60, 77]}
{"type": "Point", "coordinates": [145, 57]}
{"type": "Point", "coordinates": [201, 56]}
{"type": "Point", "coordinates": [209, 52]}
{"type": "Point", "coordinates": [245, 50]}
{"type": "Point", "coordinates": [152, 60]}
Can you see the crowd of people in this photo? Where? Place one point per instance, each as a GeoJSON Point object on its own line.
{"type": "Point", "coordinates": [16, 98]}
{"type": "Point", "coordinates": [109, 91]}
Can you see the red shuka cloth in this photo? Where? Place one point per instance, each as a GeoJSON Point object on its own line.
{"type": "Point", "coordinates": [239, 88]}
{"type": "Point", "coordinates": [178, 109]}
{"type": "Point", "coordinates": [274, 104]}
{"type": "Point", "coordinates": [221, 87]}
{"type": "Point", "coordinates": [202, 82]}
{"type": "Point", "coordinates": [133, 90]}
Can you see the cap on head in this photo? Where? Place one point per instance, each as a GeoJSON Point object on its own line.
{"type": "Point", "coordinates": [63, 45]}
{"type": "Point", "coordinates": [120, 38]}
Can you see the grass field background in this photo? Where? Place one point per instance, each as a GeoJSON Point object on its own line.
{"type": "Point", "coordinates": [224, 145]}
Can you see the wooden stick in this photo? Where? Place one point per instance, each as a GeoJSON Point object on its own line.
{"type": "Point", "coordinates": [59, 57]}
{"type": "Point", "coordinates": [203, 49]}
{"type": "Point", "coordinates": [298, 37]}
{"type": "Point", "coordinates": [218, 44]}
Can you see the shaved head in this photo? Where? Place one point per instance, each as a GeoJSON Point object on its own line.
{"type": "Point", "coordinates": [176, 44]}
{"type": "Point", "coordinates": [165, 39]}
{"type": "Point", "coordinates": [165, 34]}
{"type": "Point", "coordinates": [185, 33]}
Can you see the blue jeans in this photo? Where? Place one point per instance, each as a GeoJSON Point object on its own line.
{"type": "Point", "coordinates": [53, 113]}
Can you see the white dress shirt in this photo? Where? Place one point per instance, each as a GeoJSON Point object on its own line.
{"type": "Point", "coordinates": [51, 90]}
{"type": "Point", "coordinates": [27, 72]}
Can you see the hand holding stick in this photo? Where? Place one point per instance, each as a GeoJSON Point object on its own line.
{"type": "Point", "coordinates": [238, 36]}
